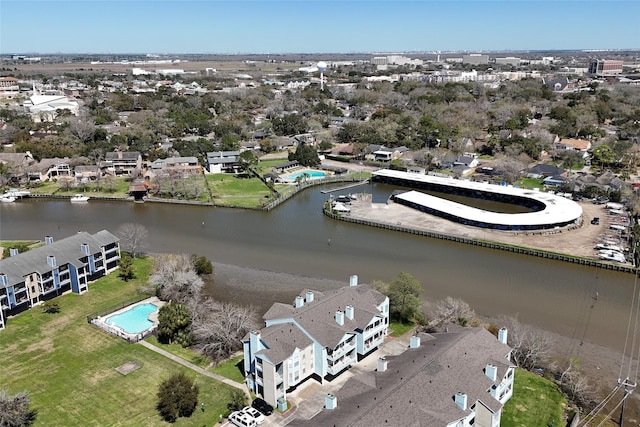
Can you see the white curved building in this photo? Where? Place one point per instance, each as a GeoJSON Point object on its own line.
{"type": "Point", "coordinates": [545, 211]}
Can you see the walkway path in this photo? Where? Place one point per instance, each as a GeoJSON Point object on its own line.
{"type": "Point", "coordinates": [196, 368]}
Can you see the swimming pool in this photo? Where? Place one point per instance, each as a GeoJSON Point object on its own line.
{"type": "Point", "coordinates": [312, 174]}
{"type": "Point", "coordinates": [133, 320]}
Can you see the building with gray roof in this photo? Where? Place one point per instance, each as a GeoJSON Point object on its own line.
{"type": "Point", "coordinates": [40, 274]}
{"type": "Point", "coordinates": [320, 335]}
{"type": "Point", "coordinates": [455, 379]}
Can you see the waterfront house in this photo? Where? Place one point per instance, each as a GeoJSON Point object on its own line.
{"type": "Point", "coordinates": [40, 274]}
{"type": "Point", "coordinates": [223, 161]}
{"type": "Point", "coordinates": [318, 336]}
{"type": "Point", "coordinates": [457, 379]}
{"type": "Point", "coordinates": [122, 163]}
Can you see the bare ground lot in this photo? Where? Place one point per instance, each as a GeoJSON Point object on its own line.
{"type": "Point", "coordinates": [578, 241]}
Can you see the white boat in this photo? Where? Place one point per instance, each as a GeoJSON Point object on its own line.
{"type": "Point", "coordinates": [5, 198]}
{"type": "Point", "coordinates": [79, 198]}
{"type": "Point", "coordinates": [608, 247]}
{"type": "Point", "coordinates": [612, 256]}
{"type": "Point", "coordinates": [617, 227]}
{"type": "Point", "coordinates": [14, 192]}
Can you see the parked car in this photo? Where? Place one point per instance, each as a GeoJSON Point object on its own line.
{"type": "Point", "coordinates": [254, 413]}
{"type": "Point", "coordinates": [241, 419]}
{"type": "Point", "coordinates": [595, 221]}
{"type": "Point", "coordinates": [262, 406]}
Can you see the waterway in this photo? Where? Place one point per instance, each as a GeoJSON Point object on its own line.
{"type": "Point", "coordinates": [294, 238]}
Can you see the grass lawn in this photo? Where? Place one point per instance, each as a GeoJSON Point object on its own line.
{"type": "Point", "coordinates": [185, 353]}
{"type": "Point", "coordinates": [119, 187]}
{"type": "Point", "coordinates": [529, 183]}
{"type": "Point", "coordinates": [68, 366]}
{"type": "Point", "coordinates": [398, 329]}
{"type": "Point", "coordinates": [535, 402]}
{"type": "Point", "coordinates": [231, 369]}
{"type": "Point", "coordinates": [231, 190]}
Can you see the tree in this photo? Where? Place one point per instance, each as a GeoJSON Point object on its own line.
{"type": "Point", "coordinates": [175, 279]}
{"type": "Point", "coordinates": [133, 237]}
{"type": "Point", "coordinates": [174, 324]}
{"type": "Point", "coordinates": [453, 310]}
{"type": "Point", "coordinates": [218, 328]}
{"type": "Point", "coordinates": [530, 346]}
{"type": "Point", "coordinates": [289, 124]}
{"type": "Point", "coordinates": [177, 397]}
{"type": "Point", "coordinates": [404, 293]}
{"type": "Point", "coordinates": [202, 265]}
{"type": "Point", "coordinates": [126, 272]}
{"type": "Point", "coordinates": [306, 155]}
{"type": "Point", "coordinates": [15, 409]}
{"type": "Point", "coordinates": [247, 160]}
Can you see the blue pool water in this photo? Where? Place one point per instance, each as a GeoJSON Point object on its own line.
{"type": "Point", "coordinates": [312, 174]}
{"type": "Point", "coordinates": [133, 320]}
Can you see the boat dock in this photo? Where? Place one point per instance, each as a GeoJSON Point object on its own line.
{"type": "Point", "coordinates": [332, 190]}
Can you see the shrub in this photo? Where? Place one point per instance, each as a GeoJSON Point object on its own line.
{"type": "Point", "coordinates": [51, 307]}
{"type": "Point", "coordinates": [177, 397]}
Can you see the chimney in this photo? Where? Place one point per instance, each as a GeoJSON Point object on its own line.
{"type": "Point", "coordinates": [299, 301]}
{"type": "Point", "coordinates": [340, 317]}
{"type": "Point", "coordinates": [330, 401]}
{"type": "Point", "coordinates": [51, 260]}
{"type": "Point", "coordinates": [48, 240]}
{"type": "Point", "coordinates": [353, 280]}
{"type": "Point", "coordinates": [13, 251]}
{"type": "Point", "coordinates": [84, 248]}
{"type": "Point", "coordinates": [502, 335]}
{"type": "Point", "coordinates": [349, 312]}
{"type": "Point", "coordinates": [309, 296]}
{"type": "Point", "coordinates": [3, 279]}
{"type": "Point", "coordinates": [491, 371]}
{"type": "Point", "coordinates": [414, 341]}
{"type": "Point", "coordinates": [382, 364]}
{"type": "Point", "coordinates": [461, 400]}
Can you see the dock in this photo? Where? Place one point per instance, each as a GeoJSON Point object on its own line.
{"type": "Point", "coordinates": [332, 190]}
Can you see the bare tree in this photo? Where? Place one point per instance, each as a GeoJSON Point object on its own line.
{"type": "Point", "coordinates": [218, 328]}
{"type": "Point", "coordinates": [15, 410]}
{"type": "Point", "coordinates": [531, 346]}
{"type": "Point", "coordinates": [452, 310]}
{"type": "Point", "coordinates": [82, 128]}
{"type": "Point", "coordinates": [133, 237]}
{"type": "Point", "coordinates": [175, 279]}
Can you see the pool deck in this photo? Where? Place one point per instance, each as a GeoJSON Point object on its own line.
{"type": "Point", "coordinates": [101, 321]}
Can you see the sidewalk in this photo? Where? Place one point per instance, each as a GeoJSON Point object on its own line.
{"type": "Point", "coordinates": [196, 368]}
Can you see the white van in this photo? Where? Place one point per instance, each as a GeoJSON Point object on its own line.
{"type": "Point", "coordinates": [242, 419]}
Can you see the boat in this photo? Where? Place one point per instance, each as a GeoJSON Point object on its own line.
{"type": "Point", "coordinates": [612, 256]}
{"type": "Point", "coordinates": [6, 198]}
{"type": "Point", "coordinates": [79, 198]}
{"type": "Point", "coordinates": [14, 192]}
{"type": "Point", "coordinates": [608, 247]}
{"type": "Point", "coordinates": [618, 227]}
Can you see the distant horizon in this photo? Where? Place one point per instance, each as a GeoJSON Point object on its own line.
{"type": "Point", "coordinates": [279, 27]}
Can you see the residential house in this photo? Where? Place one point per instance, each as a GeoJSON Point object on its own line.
{"type": "Point", "coordinates": [86, 173]}
{"type": "Point", "coordinates": [50, 169]}
{"type": "Point", "coordinates": [458, 379]}
{"type": "Point", "coordinates": [122, 163]}
{"type": "Point", "coordinates": [542, 170]}
{"type": "Point", "coordinates": [380, 153]}
{"type": "Point", "coordinates": [581, 145]}
{"type": "Point", "coordinates": [467, 160]}
{"type": "Point", "coordinates": [175, 166]}
{"type": "Point", "coordinates": [9, 87]}
{"type": "Point", "coordinates": [223, 161]}
{"type": "Point", "coordinates": [283, 167]}
{"type": "Point", "coordinates": [47, 271]}
{"type": "Point", "coordinates": [18, 163]}
{"type": "Point", "coordinates": [319, 336]}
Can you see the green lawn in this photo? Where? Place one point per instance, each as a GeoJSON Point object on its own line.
{"type": "Point", "coordinates": [529, 183]}
{"type": "Point", "coordinates": [398, 329]}
{"type": "Point", "coordinates": [232, 369]}
{"type": "Point", "coordinates": [185, 353]}
{"type": "Point", "coordinates": [231, 190]}
{"type": "Point", "coordinates": [68, 366]}
{"type": "Point", "coordinates": [535, 402]}
{"type": "Point", "coordinates": [119, 187]}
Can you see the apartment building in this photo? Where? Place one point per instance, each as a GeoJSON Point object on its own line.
{"type": "Point", "coordinates": [43, 273]}
{"type": "Point", "coordinates": [320, 335]}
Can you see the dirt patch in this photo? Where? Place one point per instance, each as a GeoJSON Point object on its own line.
{"type": "Point", "coordinates": [127, 368]}
{"type": "Point", "coordinates": [45, 345]}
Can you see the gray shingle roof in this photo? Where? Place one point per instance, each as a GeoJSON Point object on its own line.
{"type": "Point", "coordinates": [66, 251]}
{"type": "Point", "coordinates": [419, 386]}
{"type": "Point", "coordinates": [318, 317]}
{"type": "Point", "coordinates": [283, 339]}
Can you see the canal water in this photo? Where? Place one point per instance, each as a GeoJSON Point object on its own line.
{"type": "Point", "coordinates": [294, 238]}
